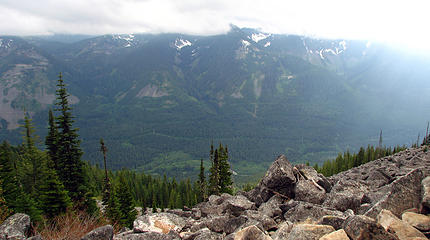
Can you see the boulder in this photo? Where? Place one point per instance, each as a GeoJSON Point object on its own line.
{"type": "Point", "coordinates": [309, 191]}
{"type": "Point", "coordinates": [101, 233]}
{"type": "Point", "coordinates": [309, 231]}
{"type": "Point", "coordinates": [419, 221]}
{"type": "Point", "coordinates": [345, 195]}
{"type": "Point", "coordinates": [300, 211]}
{"type": "Point", "coordinates": [336, 235]}
{"type": "Point", "coordinates": [204, 234]}
{"type": "Point", "coordinates": [37, 237]}
{"type": "Point", "coordinates": [267, 222]}
{"type": "Point", "coordinates": [180, 212]}
{"type": "Point", "coordinates": [309, 173]}
{"type": "Point", "coordinates": [404, 194]}
{"type": "Point", "coordinates": [236, 205]}
{"type": "Point", "coordinates": [278, 179]}
{"type": "Point", "coordinates": [401, 229]}
{"type": "Point", "coordinates": [271, 207]}
{"type": "Point", "coordinates": [15, 227]}
{"type": "Point", "coordinates": [283, 231]}
{"type": "Point", "coordinates": [158, 222]}
{"type": "Point", "coordinates": [361, 227]}
{"type": "Point", "coordinates": [149, 236]}
{"type": "Point", "coordinates": [335, 221]}
{"type": "Point", "coordinates": [225, 224]}
{"type": "Point", "coordinates": [248, 233]}
{"type": "Point", "coordinates": [425, 190]}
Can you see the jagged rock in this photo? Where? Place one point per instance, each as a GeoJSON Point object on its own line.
{"type": "Point", "coordinates": [204, 234]}
{"type": "Point", "coordinates": [158, 222]}
{"type": "Point", "coordinates": [196, 213]}
{"type": "Point", "coordinates": [425, 195]}
{"type": "Point", "coordinates": [271, 207]}
{"type": "Point", "coordinates": [101, 233]}
{"type": "Point", "coordinates": [180, 212]}
{"type": "Point", "coordinates": [149, 236]}
{"type": "Point", "coordinates": [236, 205]}
{"type": "Point", "coordinates": [267, 222]}
{"type": "Point", "coordinates": [300, 211]}
{"type": "Point", "coordinates": [15, 227]}
{"type": "Point", "coordinates": [309, 231]}
{"type": "Point", "coordinates": [278, 179]}
{"type": "Point", "coordinates": [283, 231]}
{"type": "Point", "coordinates": [309, 191]}
{"type": "Point", "coordinates": [309, 173]}
{"type": "Point", "coordinates": [37, 237]}
{"type": "Point", "coordinates": [248, 233]}
{"type": "Point", "coordinates": [335, 221]}
{"type": "Point", "coordinates": [336, 235]}
{"type": "Point", "coordinates": [345, 195]}
{"type": "Point", "coordinates": [419, 221]}
{"type": "Point", "coordinates": [361, 227]}
{"type": "Point", "coordinates": [225, 224]}
{"type": "Point", "coordinates": [394, 225]}
{"type": "Point", "coordinates": [404, 194]}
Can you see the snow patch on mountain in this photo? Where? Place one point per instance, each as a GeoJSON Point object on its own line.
{"type": "Point", "coordinates": [245, 43]}
{"type": "Point", "coordinates": [129, 38]}
{"type": "Point", "coordinates": [180, 43]}
{"type": "Point", "coordinates": [5, 43]}
{"type": "Point", "coordinates": [267, 44]}
{"type": "Point", "coordinates": [256, 37]}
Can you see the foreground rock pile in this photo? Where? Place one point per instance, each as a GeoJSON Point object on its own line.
{"type": "Point", "coordinates": [388, 198]}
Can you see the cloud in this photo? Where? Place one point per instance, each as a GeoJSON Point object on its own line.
{"type": "Point", "coordinates": [382, 20]}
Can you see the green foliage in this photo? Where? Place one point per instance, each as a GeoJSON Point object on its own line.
{"type": "Point", "coordinates": [347, 160]}
{"type": "Point", "coordinates": [202, 183]}
{"type": "Point", "coordinates": [220, 174]}
{"type": "Point", "coordinates": [51, 140]}
{"type": "Point", "coordinates": [125, 203]}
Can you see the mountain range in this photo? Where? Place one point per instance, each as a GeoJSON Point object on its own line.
{"type": "Point", "coordinates": [160, 100]}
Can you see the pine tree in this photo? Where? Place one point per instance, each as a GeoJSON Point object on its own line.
{"type": "Point", "coordinates": [225, 181]}
{"type": "Point", "coordinates": [107, 186]}
{"type": "Point", "coordinates": [53, 198]}
{"type": "Point", "coordinates": [51, 140]}
{"type": "Point", "coordinates": [202, 183]}
{"type": "Point", "coordinates": [70, 166]}
{"type": "Point", "coordinates": [8, 177]}
{"type": "Point", "coordinates": [126, 204]}
{"type": "Point", "coordinates": [214, 174]}
{"type": "Point", "coordinates": [112, 209]}
{"type": "Point", "coordinates": [4, 209]}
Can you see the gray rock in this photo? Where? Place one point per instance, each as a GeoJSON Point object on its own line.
{"type": "Point", "coordinates": [271, 208]}
{"type": "Point", "coordinates": [236, 205]}
{"type": "Point", "coordinates": [248, 233]}
{"type": "Point", "coordinates": [15, 227]}
{"type": "Point", "coordinates": [309, 173]}
{"type": "Point", "coordinates": [37, 237]}
{"type": "Point", "coordinates": [225, 224]}
{"type": "Point", "coordinates": [180, 212]}
{"type": "Point", "coordinates": [404, 194]}
{"type": "Point", "coordinates": [425, 195]}
{"type": "Point", "coordinates": [362, 227]}
{"type": "Point", "coordinates": [267, 222]}
{"type": "Point", "coordinates": [309, 231]}
{"type": "Point", "coordinates": [335, 221]}
{"type": "Point", "coordinates": [396, 226]}
{"type": "Point", "coordinates": [283, 231]}
{"type": "Point", "coordinates": [303, 210]}
{"type": "Point", "coordinates": [204, 234]}
{"type": "Point", "coordinates": [345, 195]}
{"type": "Point", "coordinates": [101, 233]}
{"type": "Point", "coordinates": [278, 179]}
{"type": "Point", "coordinates": [419, 221]}
{"type": "Point", "coordinates": [149, 236]}
{"type": "Point", "coordinates": [309, 191]}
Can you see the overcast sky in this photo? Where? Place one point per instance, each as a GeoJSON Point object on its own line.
{"type": "Point", "coordinates": [395, 21]}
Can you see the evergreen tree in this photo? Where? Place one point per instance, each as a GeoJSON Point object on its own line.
{"type": "Point", "coordinates": [225, 181]}
{"type": "Point", "coordinates": [51, 140]}
{"type": "Point", "coordinates": [214, 174]}
{"type": "Point", "coordinates": [112, 209]}
{"type": "Point", "coordinates": [53, 198]}
{"type": "Point", "coordinates": [70, 166]}
{"type": "Point", "coordinates": [4, 209]}
{"type": "Point", "coordinates": [202, 183]}
{"type": "Point", "coordinates": [107, 186]}
{"type": "Point", "coordinates": [126, 205]}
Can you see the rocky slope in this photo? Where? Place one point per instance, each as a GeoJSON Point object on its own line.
{"type": "Point", "coordinates": [384, 199]}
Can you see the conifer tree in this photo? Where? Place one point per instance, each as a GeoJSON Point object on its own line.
{"type": "Point", "coordinates": [53, 197]}
{"type": "Point", "coordinates": [214, 174]}
{"type": "Point", "coordinates": [225, 181]}
{"type": "Point", "coordinates": [202, 183]}
{"type": "Point", "coordinates": [107, 186]}
{"type": "Point", "coordinates": [51, 140]}
{"type": "Point", "coordinates": [112, 209]}
{"type": "Point", "coordinates": [70, 166]}
{"type": "Point", "coordinates": [126, 204]}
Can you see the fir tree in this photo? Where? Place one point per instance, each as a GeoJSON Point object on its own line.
{"type": "Point", "coordinates": [202, 183]}
{"type": "Point", "coordinates": [107, 186]}
{"type": "Point", "coordinates": [126, 205]}
{"type": "Point", "coordinates": [53, 198]}
{"type": "Point", "coordinates": [51, 140]}
{"type": "Point", "coordinates": [70, 166]}
{"type": "Point", "coordinates": [112, 209]}
{"type": "Point", "coordinates": [225, 181]}
{"type": "Point", "coordinates": [214, 174]}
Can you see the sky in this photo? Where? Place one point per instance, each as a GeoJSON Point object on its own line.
{"type": "Point", "coordinates": [396, 22]}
